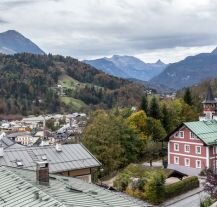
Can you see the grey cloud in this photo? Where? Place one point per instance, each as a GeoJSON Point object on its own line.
{"type": "Point", "coordinates": [85, 28]}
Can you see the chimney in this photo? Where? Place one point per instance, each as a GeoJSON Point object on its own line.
{"type": "Point", "coordinates": [42, 173]}
{"type": "Point", "coordinates": [1, 150]}
{"type": "Point", "coordinates": [58, 147]}
{"type": "Point", "coordinates": [70, 122]}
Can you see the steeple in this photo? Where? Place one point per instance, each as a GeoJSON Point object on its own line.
{"type": "Point", "coordinates": [209, 106]}
{"type": "Point", "coordinates": [209, 96]}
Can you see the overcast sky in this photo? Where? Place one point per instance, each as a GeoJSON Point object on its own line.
{"type": "Point", "coordinates": [86, 29]}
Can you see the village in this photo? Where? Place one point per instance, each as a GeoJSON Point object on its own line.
{"type": "Point", "coordinates": [28, 145]}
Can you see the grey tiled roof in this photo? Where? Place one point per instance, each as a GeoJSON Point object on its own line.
{"type": "Point", "coordinates": [15, 191]}
{"type": "Point", "coordinates": [72, 157]}
{"type": "Point", "coordinates": [77, 193]}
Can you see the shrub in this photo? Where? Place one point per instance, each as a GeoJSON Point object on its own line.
{"type": "Point", "coordinates": [206, 202]}
{"type": "Point", "coordinates": [155, 188]}
{"type": "Point", "coordinates": [180, 187]}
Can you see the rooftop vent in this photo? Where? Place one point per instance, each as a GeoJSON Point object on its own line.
{"type": "Point", "coordinates": [1, 150]}
{"type": "Point", "coordinates": [44, 157]}
{"type": "Point", "coordinates": [58, 147]}
{"type": "Point", "coordinates": [19, 163]}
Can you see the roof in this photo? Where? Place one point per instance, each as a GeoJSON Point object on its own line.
{"type": "Point", "coordinates": [7, 143]}
{"type": "Point", "coordinates": [209, 97]}
{"type": "Point", "coordinates": [16, 191]}
{"type": "Point", "coordinates": [75, 192]}
{"type": "Point", "coordinates": [72, 157]}
{"type": "Point", "coordinates": [204, 130]}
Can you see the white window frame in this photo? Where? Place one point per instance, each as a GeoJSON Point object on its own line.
{"type": "Point", "coordinates": [214, 152]}
{"type": "Point", "coordinates": [175, 157]}
{"type": "Point", "coordinates": [189, 148]}
{"type": "Point", "coordinates": [196, 163]}
{"type": "Point", "coordinates": [196, 152]}
{"type": "Point", "coordinates": [194, 135]}
{"type": "Point", "coordinates": [187, 165]}
{"type": "Point", "coordinates": [176, 150]}
{"type": "Point", "coordinates": [177, 134]}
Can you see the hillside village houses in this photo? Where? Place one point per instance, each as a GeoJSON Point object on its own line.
{"type": "Point", "coordinates": [53, 175]}
{"type": "Point", "coordinates": [192, 147]}
{"type": "Point", "coordinates": [32, 130]}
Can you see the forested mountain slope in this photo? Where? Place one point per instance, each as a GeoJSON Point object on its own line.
{"type": "Point", "coordinates": [31, 84]}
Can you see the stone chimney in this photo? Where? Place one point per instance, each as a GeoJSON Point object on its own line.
{"type": "Point", "coordinates": [42, 173]}
{"type": "Point", "coordinates": [1, 150]}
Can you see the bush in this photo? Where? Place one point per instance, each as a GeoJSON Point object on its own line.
{"type": "Point", "coordinates": [207, 202]}
{"type": "Point", "coordinates": [181, 187]}
{"type": "Point", "coordinates": [155, 188]}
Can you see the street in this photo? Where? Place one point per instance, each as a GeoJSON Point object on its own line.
{"type": "Point", "coordinates": [192, 201]}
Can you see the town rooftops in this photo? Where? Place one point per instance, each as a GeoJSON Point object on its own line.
{"type": "Point", "coordinates": [19, 188]}
{"type": "Point", "coordinates": [71, 157]}
{"type": "Point", "coordinates": [204, 130]}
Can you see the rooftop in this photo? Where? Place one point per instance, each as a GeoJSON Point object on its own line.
{"type": "Point", "coordinates": [205, 130]}
{"type": "Point", "coordinates": [72, 157]}
{"type": "Point", "coordinates": [19, 188]}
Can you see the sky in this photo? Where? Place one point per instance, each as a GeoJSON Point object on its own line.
{"type": "Point", "coordinates": [168, 30]}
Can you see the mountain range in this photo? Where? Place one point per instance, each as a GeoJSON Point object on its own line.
{"type": "Point", "coordinates": [190, 71]}
{"type": "Point", "coordinates": [128, 67]}
{"type": "Point", "coordinates": [12, 42]}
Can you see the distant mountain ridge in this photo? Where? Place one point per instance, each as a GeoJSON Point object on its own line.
{"type": "Point", "coordinates": [190, 71]}
{"type": "Point", "coordinates": [12, 42]}
{"type": "Point", "coordinates": [128, 67]}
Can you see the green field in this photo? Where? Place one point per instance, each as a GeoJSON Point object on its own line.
{"type": "Point", "coordinates": [74, 103]}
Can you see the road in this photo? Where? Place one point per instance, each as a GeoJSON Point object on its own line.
{"type": "Point", "coordinates": [192, 201]}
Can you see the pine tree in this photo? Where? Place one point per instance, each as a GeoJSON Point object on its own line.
{"type": "Point", "coordinates": [165, 119]}
{"type": "Point", "coordinates": [154, 110]}
{"type": "Point", "coordinates": [144, 104]}
{"type": "Point", "coordinates": [188, 97]}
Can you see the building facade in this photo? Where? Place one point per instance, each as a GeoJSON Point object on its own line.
{"type": "Point", "coordinates": [192, 146]}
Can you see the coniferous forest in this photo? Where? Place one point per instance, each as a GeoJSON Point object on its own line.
{"type": "Point", "coordinates": [28, 85]}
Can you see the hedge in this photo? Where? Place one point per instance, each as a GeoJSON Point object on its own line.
{"type": "Point", "coordinates": [181, 187]}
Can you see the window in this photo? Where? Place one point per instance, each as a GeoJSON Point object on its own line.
{"type": "Point", "coordinates": [176, 160]}
{"type": "Point", "coordinates": [214, 149]}
{"type": "Point", "coordinates": [176, 147]}
{"type": "Point", "coordinates": [192, 136]}
{"type": "Point", "coordinates": [187, 162]}
{"type": "Point", "coordinates": [198, 164]}
{"type": "Point", "coordinates": [198, 150]}
{"type": "Point", "coordinates": [179, 134]}
{"type": "Point", "coordinates": [187, 148]}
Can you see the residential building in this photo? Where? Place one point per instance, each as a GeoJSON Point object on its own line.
{"type": "Point", "coordinates": [192, 145]}
{"type": "Point", "coordinates": [24, 188]}
{"type": "Point", "coordinates": [72, 160]}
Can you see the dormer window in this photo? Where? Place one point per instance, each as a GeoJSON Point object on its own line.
{"type": "Point", "coordinates": [179, 134]}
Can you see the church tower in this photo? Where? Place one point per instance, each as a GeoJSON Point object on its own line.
{"type": "Point", "coordinates": [209, 106]}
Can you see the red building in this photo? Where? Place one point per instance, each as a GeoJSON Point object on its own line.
{"type": "Point", "coordinates": [191, 146]}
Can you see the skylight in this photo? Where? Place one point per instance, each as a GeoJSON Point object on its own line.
{"type": "Point", "coordinates": [19, 163]}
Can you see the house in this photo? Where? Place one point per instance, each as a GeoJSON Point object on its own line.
{"type": "Point", "coordinates": [24, 188]}
{"type": "Point", "coordinates": [24, 138]}
{"type": "Point", "coordinates": [72, 160]}
{"type": "Point", "coordinates": [192, 147]}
